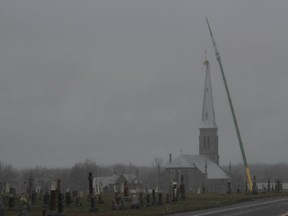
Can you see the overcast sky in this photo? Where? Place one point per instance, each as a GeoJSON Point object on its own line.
{"type": "Point", "coordinates": [122, 81]}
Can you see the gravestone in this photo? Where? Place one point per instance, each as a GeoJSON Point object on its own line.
{"type": "Point", "coordinates": [168, 198]}
{"type": "Point", "coordinates": [229, 189]}
{"type": "Point", "coordinates": [175, 192]}
{"type": "Point", "coordinates": [23, 206]}
{"type": "Point", "coordinates": [269, 186]}
{"type": "Point", "coordinates": [254, 186]}
{"type": "Point", "coordinates": [34, 198]}
{"type": "Point", "coordinates": [30, 185]}
{"type": "Point", "coordinates": [1, 207]}
{"type": "Point", "coordinates": [68, 199]}
{"type": "Point", "coordinates": [278, 186]}
{"type": "Point", "coordinates": [170, 193]}
{"type": "Point", "coordinates": [53, 203]}
{"type": "Point", "coordinates": [114, 205]}
{"type": "Point", "coordinates": [46, 200]}
{"type": "Point", "coordinates": [11, 201]}
{"type": "Point", "coordinates": [246, 188]}
{"type": "Point", "coordinates": [160, 199]}
{"type": "Point", "coordinates": [148, 201]}
{"type": "Point", "coordinates": [100, 200]}
{"type": "Point", "coordinates": [116, 201]}
{"type": "Point", "coordinates": [203, 188]}
{"type": "Point", "coordinates": [90, 178]}
{"type": "Point", "coordinates": [135, 202]}
{"type": "Point", "coordinates": [91, 194]}
{"type": "Point", "coordinates": [182, 189]}
{"type": "Point", "coordinates": [126, 189]}
{"type": "Point", "coordinates": [153, 198]}
{"type": "Point", "coordinates": [60, 203]}
{"type": "Point", "coordinates": [238, 189]}
{"type": "Point", "coordinates": [13, 191]}
{"type": "Point", "coordinates": [74, 195]}
{"type": "Point", "coordinates": [124, 204]}
{"type": "Point", "coordinates": [141, 200]}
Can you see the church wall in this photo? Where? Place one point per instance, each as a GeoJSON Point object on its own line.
{"type": "Point", "coordinates": [193, 178]}
{"type": "Point", "coordinates": [194, 181]}
{"type": "Point", "coordinates": [217, 185]}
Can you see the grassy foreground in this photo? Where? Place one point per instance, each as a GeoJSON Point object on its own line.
{"type": "Point", "coordinates": [192, 202]}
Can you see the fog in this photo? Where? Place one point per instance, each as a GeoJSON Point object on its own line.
{"type": "Point", "coordinates": [122, 81]}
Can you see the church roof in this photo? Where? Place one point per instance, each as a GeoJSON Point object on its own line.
{"type": "Point", "coordinates": [198, 161]}
{"type": "Point", "coordinates": [208, 112]}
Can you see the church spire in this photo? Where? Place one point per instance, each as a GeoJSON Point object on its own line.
{"type": "Point", "coordinates": [208, 112]}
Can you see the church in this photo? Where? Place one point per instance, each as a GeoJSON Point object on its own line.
{"type": "Point", "coordinates": [200, 172]}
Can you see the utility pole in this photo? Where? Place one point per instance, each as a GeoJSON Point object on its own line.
{"type": "Point", "coordinates": [247, 169]}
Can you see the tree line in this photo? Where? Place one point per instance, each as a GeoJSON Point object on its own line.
{"type": "Point", "coordinates": [76, 177]}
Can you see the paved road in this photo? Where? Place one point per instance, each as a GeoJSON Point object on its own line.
{"type": "Point", "coordinates": [264, 207]}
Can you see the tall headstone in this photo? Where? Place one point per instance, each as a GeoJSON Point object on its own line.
{"type": "Point", "coordinates": [148, 201]}
{"type": "Point", "coordinates": [91, 194]}
{"type": "Point", "coordinates": [229, 188]}
{"type": "Point", "coordinates": [74, 196]}
{"type": "Point", "coordinates": [278, 186]}
{"type": "Point", "coordinates": [246, 188]}
{"type": "Point", "coordinates": [68, 198]}
{"type": "Point", "coordinates": [60, 203]}
{"type": "Point", "coordinates": [30, 185]}
{"type": "Point", "coordinates": [182, 188]}
{"type": "Point", "coordinates": [141, 200]}
{"type": "Point", "coordinates": [13, 191]}
{"type": "Point", "coordinates": [153, 198]}
{"type": "Point", "coordinates": [168, 200]}
{"type": "Point", "coordinates": [160, 199]}
{"type": "Point", "coordinates": [269, 186]}
{"type": "Point", "coordinates": [126, 189]}
{"type": "Point", "coordinates": [46, 200]}
{"type": "Point", "coordinates": [175, 192]}
{"type": "Point", "coordinates": [254, 186]}
{"type": "Point", "coordinates": [1, 207]}
{"type": "Point", "coordinates": [90, 178]}
{"type": "Point", "coordinates": [53, 203]}
{"type": "Point", "coordinates": [238, 189]}
{"type": "Point", "coordinates": [11, 201]}
{"type": "Point", "coordinates": [59, 198]}
{"type": "Point", "coordinates": [34, 197]}
{"type": "Point", "coordinates": [12, 198]}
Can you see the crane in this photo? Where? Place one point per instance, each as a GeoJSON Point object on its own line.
{"type": "Point", "coordinates": [247, 169]}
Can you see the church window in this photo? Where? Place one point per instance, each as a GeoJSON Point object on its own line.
{"type": "Point", "coordinates": [204, 141]}
{"type": "Point", "coordinates": [208, 142]}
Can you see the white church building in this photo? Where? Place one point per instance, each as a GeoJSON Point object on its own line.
{"type": "Point", "coordinates": [200, 172]}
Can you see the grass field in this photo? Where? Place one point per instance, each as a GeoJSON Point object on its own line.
{"type": "Point", "coordinates": [192, 202]}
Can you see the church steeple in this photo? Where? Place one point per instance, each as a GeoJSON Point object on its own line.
{"type": "Point", "coordinates": [208, 112]}
{"type": "Point", "coordinates": [208, 138]}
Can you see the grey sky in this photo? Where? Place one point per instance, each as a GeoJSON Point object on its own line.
{"type": "Point", "coordinates": [122, 81]}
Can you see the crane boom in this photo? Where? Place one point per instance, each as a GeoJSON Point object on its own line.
{"type": "Point", "coordinates": [247, 169]}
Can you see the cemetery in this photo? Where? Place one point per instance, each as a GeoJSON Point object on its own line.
{"type": "Point", "coordinates": [58, 201]}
